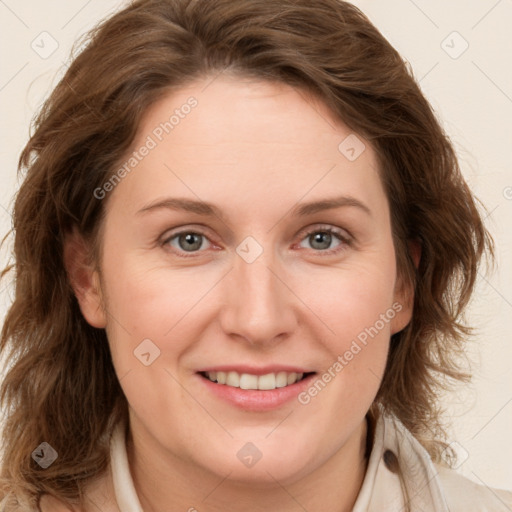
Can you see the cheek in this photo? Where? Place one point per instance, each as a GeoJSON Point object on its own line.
{"type": "Point", "coordinates": [170, 307]}
{"type": "Point", "coordinates": [357, 308]}
{"type": "Point", "coordinates": [352, 299]}
{"type": "Point", "coordinates": [359, 315]}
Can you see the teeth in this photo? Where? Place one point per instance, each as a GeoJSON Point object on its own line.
{"type": "Point", "coordinates": [282, 379]}
{"type": "Point", "coordinates": [267, 381]}
{"type": "Point", "coordinates": [233, 379]}
{"type": "Point", "coordinates": [249, 381]}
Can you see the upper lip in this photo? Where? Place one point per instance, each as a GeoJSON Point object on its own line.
{"type": "Point", "coordinates": [254, 370]}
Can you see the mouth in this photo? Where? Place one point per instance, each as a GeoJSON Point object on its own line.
{"type": "Point", "coordinates": [249, 381]}
{"type": "Point", "coordinates": [254, 389]}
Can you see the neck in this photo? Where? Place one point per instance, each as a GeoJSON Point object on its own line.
{"type": "Point", "coordinates": [162, 480]}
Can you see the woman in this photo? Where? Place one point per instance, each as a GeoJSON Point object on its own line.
{"type": "Point", "coordinates": [243, 247]}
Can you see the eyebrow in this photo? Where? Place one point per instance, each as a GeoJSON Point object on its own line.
{"type": "Point", "coordinates": [210, 210]}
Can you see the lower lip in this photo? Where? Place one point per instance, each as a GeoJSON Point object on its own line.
{"type": "Point", "coordinates": [255, 399]}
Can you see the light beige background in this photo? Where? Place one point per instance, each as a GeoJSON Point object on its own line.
{"type": "Point", "coordinates": [471, 90]}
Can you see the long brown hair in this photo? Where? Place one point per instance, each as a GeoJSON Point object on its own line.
{"type": "Point", "coordinates": [61, 387]}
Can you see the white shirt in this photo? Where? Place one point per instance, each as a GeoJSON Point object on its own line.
{"type": "Point", "coordinates": [400, 477]}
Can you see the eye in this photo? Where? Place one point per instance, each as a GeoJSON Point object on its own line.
{"type": "Point", "coordinates": [321, 239]}
{"type": "Point", "coordinates": [186, 241]}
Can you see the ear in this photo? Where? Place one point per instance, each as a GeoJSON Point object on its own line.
{"type": "Point", "coordinates": [403, 299]}
{"type": "Point", "coordinates": [84, 279]}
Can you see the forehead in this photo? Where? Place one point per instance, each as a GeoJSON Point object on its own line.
{"type": "Point", "coordinates": [245, 142]}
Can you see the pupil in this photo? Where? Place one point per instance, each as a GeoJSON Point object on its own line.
{"type": "Point", "coordinates": [326, 237]}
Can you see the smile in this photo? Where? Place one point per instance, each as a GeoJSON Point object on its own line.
{"type": "Point", "coordinates": [265, 382]}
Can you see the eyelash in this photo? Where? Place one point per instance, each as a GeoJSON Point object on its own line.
{"type": "Point", "coordinates": [344, 239]}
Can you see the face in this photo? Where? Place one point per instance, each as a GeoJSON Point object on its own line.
{"type": "Point", "coordinates": [222, 262]}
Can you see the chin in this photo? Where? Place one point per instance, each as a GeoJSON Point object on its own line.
{"type": "Point", "coordinates": [260, 463]}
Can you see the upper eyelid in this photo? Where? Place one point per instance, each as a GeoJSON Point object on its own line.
{"type": "Point", "coordinates": [325, 227]}
{"type": "Point", "coordinates": [171, 233]}
{"type": "Point", "coordinates": [203, 230]}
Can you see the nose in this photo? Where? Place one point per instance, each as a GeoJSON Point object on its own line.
{"type": "Point", "coordinates": [258, 305]}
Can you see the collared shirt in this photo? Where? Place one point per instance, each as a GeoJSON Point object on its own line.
{"type": "Point", "coordinates": [400, 477]}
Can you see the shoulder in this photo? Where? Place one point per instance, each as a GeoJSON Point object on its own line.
{"type": "Point", "coordinates": [444, 487]}
{"type": "Point", "coordinates": [462, 494]}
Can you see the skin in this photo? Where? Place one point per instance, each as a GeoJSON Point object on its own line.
{"type": "Point", "coordinates": [256, 150]}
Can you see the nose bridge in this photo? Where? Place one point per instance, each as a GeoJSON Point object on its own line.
{"type": "Point", "coordinates": [258, 306]}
